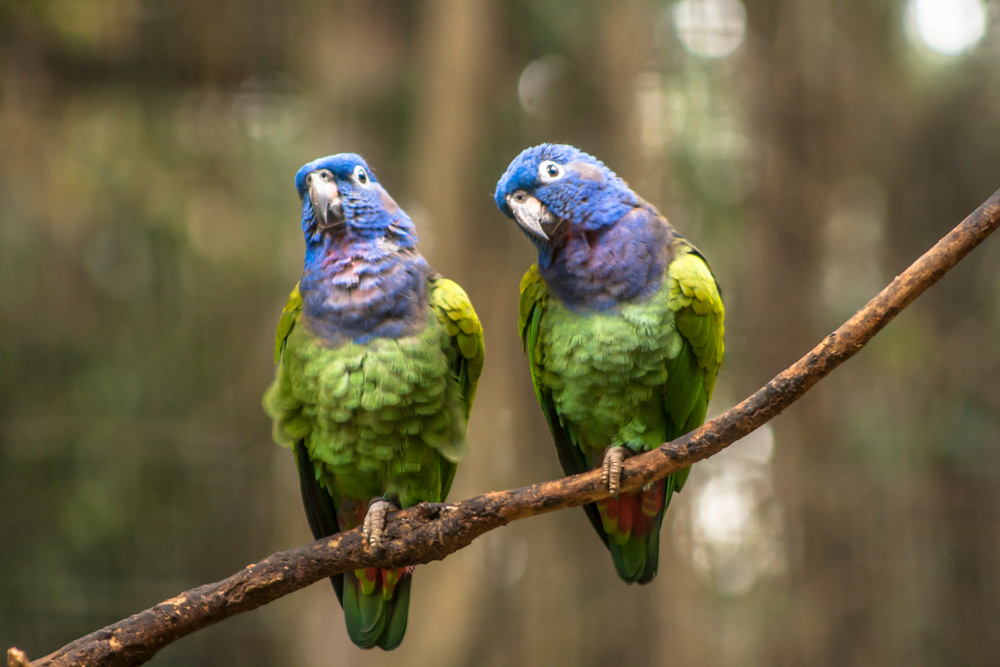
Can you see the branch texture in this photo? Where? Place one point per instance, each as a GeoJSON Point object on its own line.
{"type": "Point", "coordinates": [430, 532]}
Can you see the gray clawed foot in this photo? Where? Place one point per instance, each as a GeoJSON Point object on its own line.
{"type": "Point", "coordinates": [611, 468]}
{"type": "Point", "coordinates": [374, 524]}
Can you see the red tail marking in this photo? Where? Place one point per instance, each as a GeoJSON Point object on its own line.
{"type": "Point", "coordinates": [633, 512]}
{"type": "Point", "coordinates": [627, 503]}
{"type": "Point", "coordinates": [652, 499]}
{"type": "Point", "coordinates": [611, 506]}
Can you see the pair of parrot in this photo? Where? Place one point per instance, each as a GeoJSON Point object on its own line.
{"type": "Point", "coordinates": [379, 357]}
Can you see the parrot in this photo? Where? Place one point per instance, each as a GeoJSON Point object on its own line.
{"type": "Point", "coordinates": [378, 358]}
{"type": "Point", "coordinates": [622, 323]}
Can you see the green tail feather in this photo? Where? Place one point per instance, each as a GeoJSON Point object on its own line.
{"type": "Point", "coordinates": [636, 558]}
{"type": "Point", "coordinates": [398, 613]}
{"type": "Point", "coordinates": [371, 620]}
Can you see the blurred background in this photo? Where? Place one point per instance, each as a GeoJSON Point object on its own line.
{"type": "Point", "coordinates": [149, 235]}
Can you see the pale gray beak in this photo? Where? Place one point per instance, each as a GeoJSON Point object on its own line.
{"type": "Point", "coordinates": [530, 213]}
{"type": "Point", "coordinates": [325, 199]}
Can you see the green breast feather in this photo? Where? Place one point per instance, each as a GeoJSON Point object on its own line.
{"type": "Point", "coordinates": [633, 375]}
{"type": "Point", "coordinates": [388, 416]}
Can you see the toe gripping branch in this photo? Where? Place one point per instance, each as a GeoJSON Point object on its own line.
{"type": "Point", "coordinates": [374, 524]}
{"type": "Point", "coordinates": [611, 468]}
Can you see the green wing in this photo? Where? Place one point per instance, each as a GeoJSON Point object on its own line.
{"type": "Point", "coordinates": [278, 399]}
{"type": "Point", "coordinates": [531, 309]}
{"type": "Point", "coordinates": [697, 304]}
{"type": "Point", "coordinates": [321, 511]}
{"type": "Point", "coordinates": [289, 316]}
{"type": "Point", "coordinates": [465, 350]}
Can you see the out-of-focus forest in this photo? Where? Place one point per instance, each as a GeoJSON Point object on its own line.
{"type": "Point", "coordinates": [149, 234]}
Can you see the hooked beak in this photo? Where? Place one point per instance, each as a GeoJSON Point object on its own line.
{"type": "Point", "coordinates": [530, 213]}
{"type": "Point", "coordinates": [325, 200]}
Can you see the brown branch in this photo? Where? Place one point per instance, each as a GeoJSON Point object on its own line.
{"type": "Point", "coordinates": [430, 532]}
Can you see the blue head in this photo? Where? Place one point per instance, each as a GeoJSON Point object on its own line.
{"type": "Point", "coordinates": [550, 185]}
{"type": "Point", "coordinates": [343, 201]}
{"type": "Point", "coordinates": [363, 277]}
{"type": "Point", "coordinates": [599, 243]}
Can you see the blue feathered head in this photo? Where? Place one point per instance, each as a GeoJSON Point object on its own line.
{"type": "Point", "coordinates": [341, 196]}
{"type": "Point", "coordinates": [550, 184]}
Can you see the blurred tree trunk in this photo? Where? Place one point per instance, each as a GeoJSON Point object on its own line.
{"type": "Point", "coordinates": [797, 120]}
{"type": "Point", "coordinates": [624, 49]}
{"type": "Point", "coordinates": [453, 42]}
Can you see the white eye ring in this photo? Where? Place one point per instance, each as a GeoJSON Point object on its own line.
{"type": "Point", "coordinates": [361, 176]}
{"type": "Point", "coordinates": [549, 171]}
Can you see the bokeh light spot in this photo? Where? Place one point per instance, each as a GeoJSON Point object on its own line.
{"type": "Point", "coordinates": [726, 510]}
{"type": "Point", "coordinates": [948, 27]}
{"type": "Point", "coordinates": [534, 88]}
{"type": "Point", "coordinates": [730, 522]}
{"type": "Point", "coordinates": [710, 28]}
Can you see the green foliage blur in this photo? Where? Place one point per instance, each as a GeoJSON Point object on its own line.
{"type": "Point", "coordinates": [149, 234]}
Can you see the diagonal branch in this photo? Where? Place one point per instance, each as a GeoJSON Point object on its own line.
{"type": "Point", "coordinates": [430, 532]}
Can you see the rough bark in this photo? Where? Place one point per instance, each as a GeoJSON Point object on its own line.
{"type": "Point", "coordinates": [430, 532]}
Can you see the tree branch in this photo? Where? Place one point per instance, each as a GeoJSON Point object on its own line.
{"type": "Point", "coordinates": [432, 531]}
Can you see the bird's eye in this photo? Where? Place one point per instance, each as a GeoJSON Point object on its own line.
{"type": "Point", "coordinates": [360, 175]}
{"type": "Point", "coordinates": [550, 171]}
{"type": "Point", "coordinates": [519, 197]}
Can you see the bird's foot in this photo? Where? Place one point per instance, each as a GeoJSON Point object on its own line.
{"type": "Point", "coordinates": [374, 524]}
{"type": "Point", "coordinates": [611, 468]}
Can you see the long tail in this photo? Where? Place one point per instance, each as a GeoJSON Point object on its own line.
{"type": "Point", "coordinates": [632, 523]}
{"type": "Point", "coordinates": [376, 604]}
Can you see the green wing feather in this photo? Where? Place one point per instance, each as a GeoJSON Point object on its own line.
{"type": "Point", "coordinates": [531, 308]}
{"type": "Point", "coordinates": [700, 315]}
{"type": "Point", "coordinates": [289, 316]}
{"type": "Point", "coordinates": [466, 351]}
{"type": "Point", "coordinates": [696, 300]}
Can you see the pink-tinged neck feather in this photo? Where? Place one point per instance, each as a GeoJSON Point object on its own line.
{"type": "Point", "coordinates": [600, 269]}
{"type": "Point", "coordinates": [363, 290]}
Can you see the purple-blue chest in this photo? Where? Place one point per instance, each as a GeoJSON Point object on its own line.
{"type": "Point", "coordinates": [364, 290]}
{"type": "Point", "coordinates": [603, 268]}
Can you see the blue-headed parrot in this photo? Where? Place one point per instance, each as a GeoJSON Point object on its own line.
{"type": "Point", "coordinates": [378, 360]}
{"type": "Point", "coordinates": [622, 323]}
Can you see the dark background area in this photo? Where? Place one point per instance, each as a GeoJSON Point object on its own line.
{"type": "Point", "coordinates": [149, 234]}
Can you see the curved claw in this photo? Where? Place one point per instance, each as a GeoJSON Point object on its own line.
{"type": "Point", "coordinates": [611, 468]}
{"type": "Point", "coordinates": [374, 524]}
